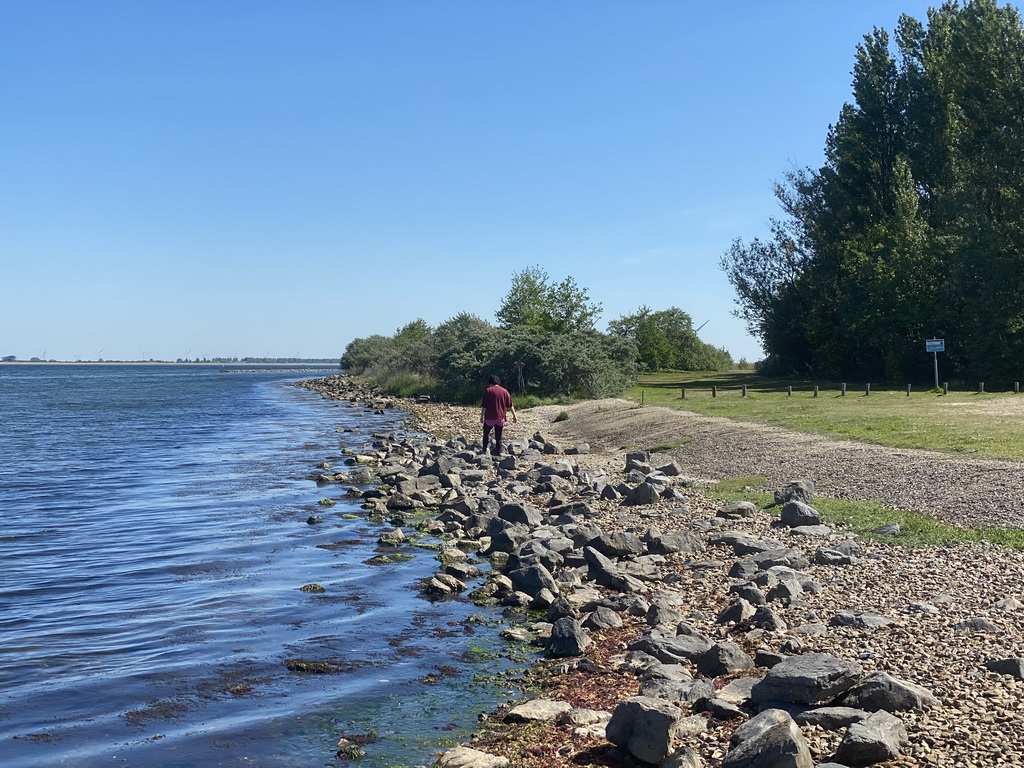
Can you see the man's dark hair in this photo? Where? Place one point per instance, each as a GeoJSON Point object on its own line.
{"type": "Point", "coordinates": [492, 380]}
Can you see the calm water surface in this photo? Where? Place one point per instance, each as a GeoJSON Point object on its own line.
{"type": "Point", "coordinates": [152, 547]}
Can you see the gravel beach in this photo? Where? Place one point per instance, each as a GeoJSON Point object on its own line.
{"type": "Point", "coordinates": [927, 593]}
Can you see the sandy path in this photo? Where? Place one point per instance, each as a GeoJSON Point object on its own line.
{"type": "Point", "coordinates": [968, 492]}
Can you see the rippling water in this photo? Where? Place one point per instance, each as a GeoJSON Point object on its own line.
{"type": "Point", "coordinates": [152, 547]}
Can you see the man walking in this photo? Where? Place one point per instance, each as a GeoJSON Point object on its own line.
{"type": "Point", "coordinates": [497, 401]}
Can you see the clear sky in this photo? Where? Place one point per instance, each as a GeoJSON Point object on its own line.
{"type": "Point", "coordinates": [276, 177]}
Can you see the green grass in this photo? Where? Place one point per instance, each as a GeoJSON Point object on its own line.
{"type": "Point", "coordinates": [862, 517]}
{"type": "Point", "coordinates": [983, 425]}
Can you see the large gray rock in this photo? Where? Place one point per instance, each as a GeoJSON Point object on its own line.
{"type": "Point", "coordinates": [748, 545]}
{"type": "Point", "coordinates": [1013, 667]}
{"type": "Point", "coordinates": [645, 493]}
{"type": "Point", "coordinates": [859, 619]}
{"type": "Point", "coordinates": [830, 718]}
{"type": "Point", "coordinates": [873, 740]}
{"type": "Point", "coordinates": [798, 490]}
{"type": "Point", "coordinates": [796, 513]}
{"type": "Point", "coordinates": [602, 569]}
{"type": "Point", "coordinates": [532, 579]}
{"type": "Point", "coordinates": [808, 679]}
{"type": "Point", "coordinates": [768, 740]}
{"type": "Point", "coordinates": [617, 544]}
{"type": "Point", "coordinates": [608, 574]}
{"type": "Point", "coordinates": [684, 757]}
{"type": "Point", "coordinates": [602, 618]}
{"type": "Point", "coordinates": [663, 612]}
{"type": "Point", "coordinates": [537, 711]}
{"type": "Point", "coordinates": [883, 691]}
{"type": "Point", "coordinates": [683, 691]}
{"type": "Point", "coordinates": [738, 509]}
{"type": "Point", "coordinates": [645, 727]}
{"type": "Point", "coordinates": [672, 650]}
{"type": "Point", "coordinates": [671, 543]}
{"type": "Point", "coordinates": [748, 566]}
{"type": "Point", "coordinates": [736, 611]}
{"type": "Point", "coordinates": [465, 757]}
{"type": "Point", "coordinates": [568, 638]}
{"type": "Point", "coordinates": [521, 513]}
{"type": "Point", "coordinates": [723, 658]}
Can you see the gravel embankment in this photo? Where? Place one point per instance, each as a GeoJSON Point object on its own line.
{"type": "Point", "coordinates": [981, 720]}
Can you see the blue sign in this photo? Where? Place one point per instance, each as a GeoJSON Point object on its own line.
{"type": "Point", "coordinates": [935, 345]}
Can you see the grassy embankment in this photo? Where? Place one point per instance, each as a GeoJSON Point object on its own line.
{"type": "Point", "coordinates": [965, 424]}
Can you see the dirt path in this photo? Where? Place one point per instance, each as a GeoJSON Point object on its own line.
{"type": "Point", "coordinates": [973, 493]}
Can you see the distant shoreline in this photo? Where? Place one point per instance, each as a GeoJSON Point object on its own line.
{"type": "Point", "coordinates": [166, 362]}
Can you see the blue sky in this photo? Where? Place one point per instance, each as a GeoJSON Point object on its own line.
{"type": "Point", "coordinates": [271, 177]}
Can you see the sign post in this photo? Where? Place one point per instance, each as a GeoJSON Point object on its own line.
{"type": "Point", "coordinates": [935, 346]}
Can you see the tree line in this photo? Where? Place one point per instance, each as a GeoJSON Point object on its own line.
{"type": "Point", "coordinates": [914, 225]}
{"type": "Point", "coordinates": [544, 344]}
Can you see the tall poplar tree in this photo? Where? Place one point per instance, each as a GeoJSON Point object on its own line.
{"type": "Point", "coordinates": [914, 225]}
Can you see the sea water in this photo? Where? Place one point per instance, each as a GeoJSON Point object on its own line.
{"type": "Point", "coordinates": [154, 541]}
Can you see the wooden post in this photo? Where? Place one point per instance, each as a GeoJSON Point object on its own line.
{"type": "Point", "coordinates": [981, 386]}
{"type": "Point", "coordinates": [945, 387]}
{"type": "Point", "coordinates": [908, 390]}
{"type": "Point", "coordinates": [744, 390]}
{"type": "Point", "coordinates": [1016, 387]}
{"type": "Point", "coordinates": [789, 391]}
{"type": "Point", "coordinates": [815, 390]}
{"type": "Point", "coordinates": [642, 397]}
{"type": "Point", "coordinates": [842, 389]}
{"type": "Point", "coordinates": [714, 390]}
{"type": "Point", "coordinates": [683, 396]}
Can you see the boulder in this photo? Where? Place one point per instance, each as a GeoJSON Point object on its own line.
{"type": "Point", "coordinates": [520, 513]}
{"type": "Point", "coordinates": [875, 739]}
{"type": "Point", "coordinates": [537, 711]}
{"type": "Point", "coordinates": [830, 718]}
{"type": "Point", "coordinates": [768, 740]}
{"type": "Point", "coordinates": [738, 509]}
{"type": "Point", "coordinates": [683, 691]}
{"type": "Point", "coordinates": [618, 544]}
{"type": "Point", "coordinates": [602, 618]}
{"type": "Point", "coordinates": [808, 679]}
{"type": "Point", "coordinates": [663, 612]}
{"type": "Point", "coordinates": [723, 658]}
{"type": "Point", "coordinates": [673, 650]}
{"type": "Point", "coordinates": [735, 612]}
{"type": "Point", "coordinates": [645, 727]}
{"type": "Point", "coordinates": [532, 579]}
{"type": "Point", "coordinates": [828, 556]}
{"type": "Point", "coordinates": [684, 757]}
{"type": "Point", "coordinates": [645, 493]}
{"type": "Point", "coordinates": [883, 691]}
{"type": "Point", "coordinates": [859, 619]}
{"type": "Point", "coordinates": [889, 529]}
{"type": "Point", "coordinates": [671, 543]}
{"type": "Point", "coordinates": [796, 513]}
{"type": "Point", "coordinates": [465, 757]}
{"type": "Point", "coordinates": [798, 490]}
{"type": "Point", "coordinates": [1012, 667]}
{"type": "Point", "coordinates": [568, 638]}
{"type": "Point", "coordinates": [976, 624]}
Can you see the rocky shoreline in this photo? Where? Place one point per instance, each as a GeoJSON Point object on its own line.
{"type": "Point", "coordinates": [682, 632]}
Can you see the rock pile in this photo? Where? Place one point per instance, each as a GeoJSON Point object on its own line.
{"type": "Point", "coordinates": [731, 619]}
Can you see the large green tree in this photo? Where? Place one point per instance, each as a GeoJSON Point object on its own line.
{"type": "Point", "coordinates": [914, 225]}
{"type": "Point", "coordinates": [665, 340]}
{"type": "Point", "coordinates": [534, 301]}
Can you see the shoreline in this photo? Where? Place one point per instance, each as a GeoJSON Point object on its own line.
{"type": "Point", "coordinates": [269, 366]}
{"type": "Point", "coordinates": [935, 627]}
